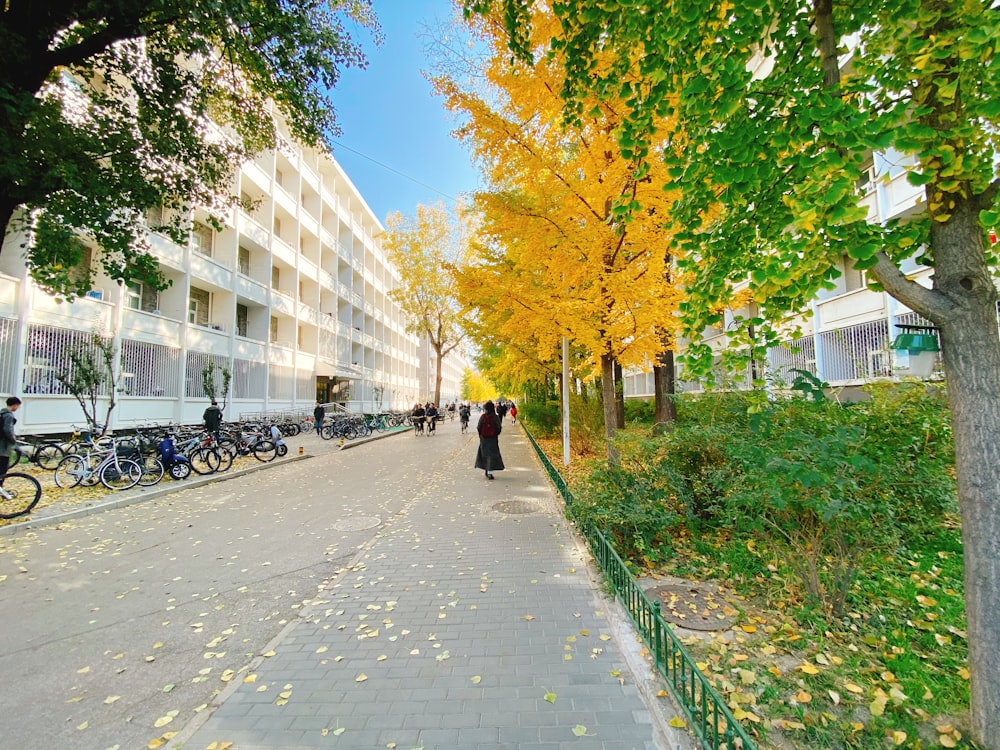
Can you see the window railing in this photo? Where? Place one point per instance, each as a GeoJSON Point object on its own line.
{"type": "Point", "coordinates": [706, 710]}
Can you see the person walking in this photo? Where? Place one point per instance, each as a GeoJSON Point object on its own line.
{"type": "Point", "coordinates": [513, 414]}
{"type": "Point", "coordinates": [8, 442]}
{"type": "Point", "coordinates": [489, 427]}
{"type": "Point", "coordinates": [319, 414]}
{"type": "Point", "coordinates": [432, 415]}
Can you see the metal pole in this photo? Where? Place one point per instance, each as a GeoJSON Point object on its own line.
{"type": "Point", "coordinates": [565, 400]}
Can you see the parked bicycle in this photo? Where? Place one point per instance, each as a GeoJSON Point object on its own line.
{"type": "Point", "coordinates": [99, 465]}
{"type": "Point", "coordinates": [19, 493]}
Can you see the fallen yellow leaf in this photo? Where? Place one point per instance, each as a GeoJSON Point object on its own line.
{"type": "Point", "coordinates": [678, 723]}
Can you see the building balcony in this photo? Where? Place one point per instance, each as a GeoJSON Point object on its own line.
{"type": "Point", "coordinates": [167, 252]}
{"type": "Point", "coordinates": [309, 177]}
{"type": "Point", "coordinates": [249, 228]}
{"type": "Point", "coordinates": [327, 238]}
{"type": "Point", "coordinates": [210, 340]}
{"type": "Point", "coordinates": [281, 353]}
{"type": "Point", "coordinates": [330, 199]}
{"type": "Point", "coordinates": [253, 171]}
{"type": "Point", "coordinates": [284, 199]}
{"type": "Point", "coordinates": [308, 269]}
{"type": "Point", "coordinates": [8, 297]}
{"type": "Point", "coordinates": [308, 221]}
{"type": "Point", "coordinates": [251, 290]}
{"type": "Point", "coordinates": [145, 326]}
{"type": "Point", "coordinates": [326, 280]}
{"type": "Point", "coordinates": [208, 269]}
{"type": "Point", "coordinates": [283, 302]}
{"type": "Point", "coordinates": [308, 314]}
{"type": "Point", "coordinates": [250, 349]}
{"type": "Point", "coordinates": [855, 307]}
{"type": "Point", "coordinates": [283, 251]}
{"type": "Point", "coordinates": [91, 313]}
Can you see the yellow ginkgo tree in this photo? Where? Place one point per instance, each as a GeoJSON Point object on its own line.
{"type": "Point", "coordinates": [573, 230]}
{"type": "Point", "coordinates": [423, 248]}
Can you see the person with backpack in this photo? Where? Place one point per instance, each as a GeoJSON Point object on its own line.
{"type": "Point", "coordinates": [490, 426]}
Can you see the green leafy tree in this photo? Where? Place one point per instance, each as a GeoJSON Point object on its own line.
{"type": "Point", "coordinates": [768, 113]}
{"type": "Point", "coordinates": [215, 381]}
{"type": "Point", "coordinates": [108, 110]}
{"type": "Point", "coordinates": [89, 374]}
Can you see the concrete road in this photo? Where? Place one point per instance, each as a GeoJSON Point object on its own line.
{"type": "Point", "coordinates": [121, 626]}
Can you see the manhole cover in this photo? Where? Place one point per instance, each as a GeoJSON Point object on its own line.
{"type": "Point", "coordinates": [694, 607]}
{"type": "Point", "coordinates": [515, 506]}
{"type": "Point", "coordinates": [361, 523]}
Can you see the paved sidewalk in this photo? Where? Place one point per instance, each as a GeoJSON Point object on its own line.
{"type": "Point", "coordinates": [470, 620]}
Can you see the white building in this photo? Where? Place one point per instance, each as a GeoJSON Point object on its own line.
{"type": "Point", "coordinates": [292, 299]}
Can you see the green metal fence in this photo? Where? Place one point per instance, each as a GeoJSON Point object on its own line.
{"type": "Point", "coordinates": [707, 713]}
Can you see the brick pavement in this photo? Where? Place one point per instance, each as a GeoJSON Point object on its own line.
{"type": "Point", "coordinates": [470, 620]}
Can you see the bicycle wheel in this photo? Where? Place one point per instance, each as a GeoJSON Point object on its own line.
{"type": "Point", "coordinates": [225, 459]}
{"type": "Point", "coordinates": [120, 474]}
{"type": "Point", "coordinates": [152, 471]}
{"type": "Point", "coordinates": [205, 461]}
{"type": "Point", "coordinates": [71, 471]}
{"type": "Point", "coordinates": [265, 451]}
{"type": "Point", "coordinates": [19, 493]}
{"type": "Point", "coordinates": [329, 432]}
{"type": "Point", "coordinates": [282, 450]}
{"type": "Point", "coordinates": [49, 455]}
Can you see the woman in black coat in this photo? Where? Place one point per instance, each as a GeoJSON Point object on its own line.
{"type": "Point", "coordinates": [488, 456]}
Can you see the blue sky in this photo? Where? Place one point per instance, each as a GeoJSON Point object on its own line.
{"type": "Point", "coordinates": [389, 113]}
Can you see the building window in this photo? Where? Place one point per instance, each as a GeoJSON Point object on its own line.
{"type": "Point", "coordinates": [243, 261]}
{"type": "Point", "coordinates": [242, 320]}
{"type": "Point", "coordinates": [277, 226]}
{"type": "Point", "coordinates": [155, 216]}
{"type": "Point", "coordinates": [201, 239]}
{"type": "Point", "coordinates": [133, 296]}
{"type": "Point", "coordinates": [199, 306]}
{"type": "Point", "coordinates": [853, 278]}
{"type": "Point", "coordinates": [274, 329]}
{"type": "Point", "coordinates": [275, 277]}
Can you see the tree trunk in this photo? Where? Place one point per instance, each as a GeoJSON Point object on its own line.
{"type": "Point", "coordinates": [664, 389]}
{"type": "Point", "coordinates": [619, 397]}
{"type": "Point", "coordinates": [971, 354]}
{"type": "Point", "coordinates": [437, 377]}
{"type": "Point", "coordinates": [610, 405]}
{"type": "Point", "coordinates": [963, 303]}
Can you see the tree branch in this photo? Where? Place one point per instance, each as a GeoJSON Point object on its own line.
{"type": "Point", "coordinates": [930, 303]}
